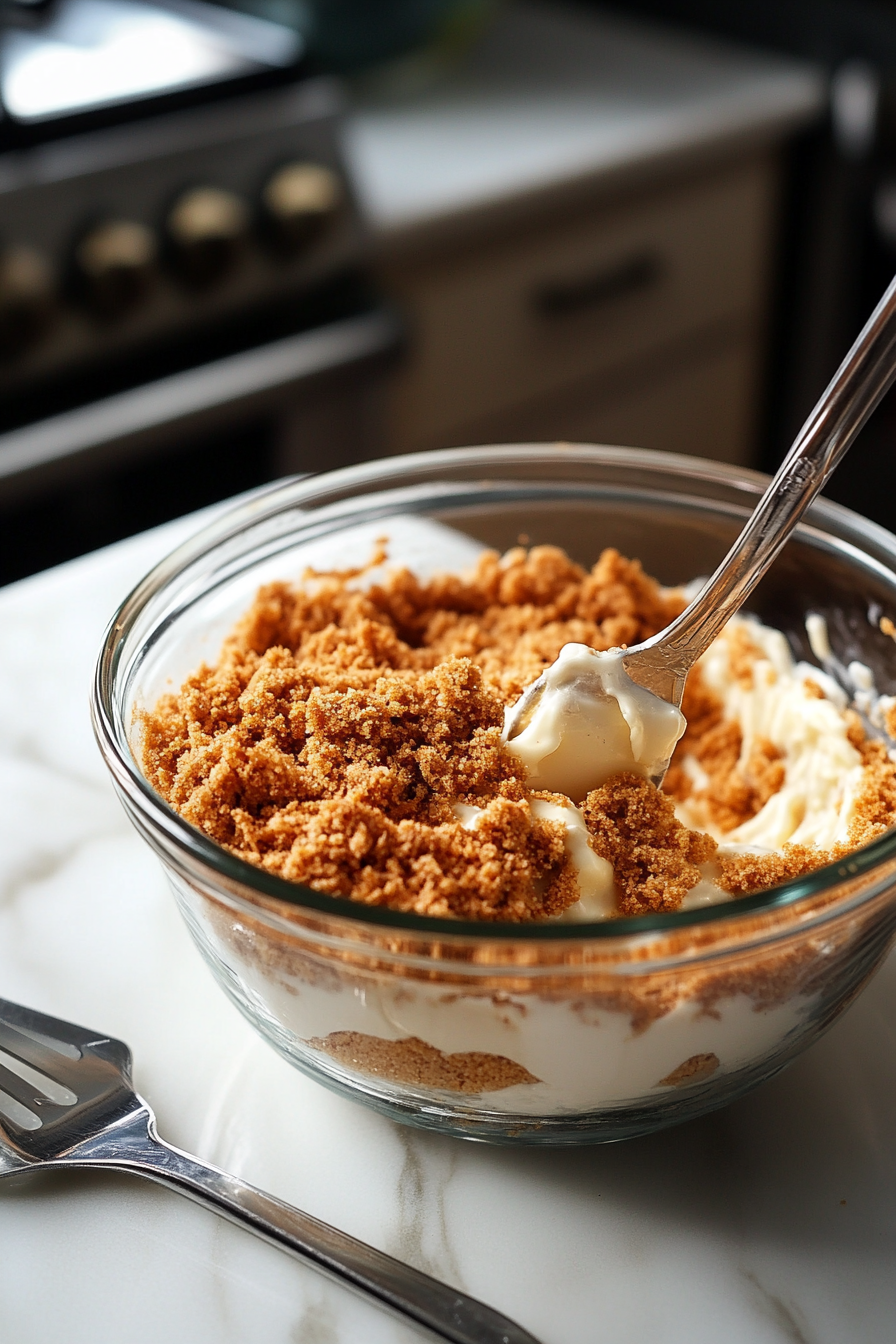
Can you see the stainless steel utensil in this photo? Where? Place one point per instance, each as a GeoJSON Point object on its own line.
{"type": "Point", "coordinates": [663, 662]}
{"type": "Point", "coordinates": [66, 1100]}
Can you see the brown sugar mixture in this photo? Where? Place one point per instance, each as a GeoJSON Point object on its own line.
{"type": "Point", "coordinates": [345, 719]}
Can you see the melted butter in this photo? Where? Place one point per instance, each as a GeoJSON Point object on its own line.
{"type": "Point", "coordinates": [591, 721]}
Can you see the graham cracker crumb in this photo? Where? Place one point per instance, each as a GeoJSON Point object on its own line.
{"type": "Point", "coordinates": [420, 1064]}
{"type": "Point", "coordinates": [875, 804]}
{"type": "Point", "coordinates": [742, 655]}
{"type": "Point", "coordinates": [855, 730]}
{"type": "Point", "coordinates": [654, 857]}
{"type": "Point", "coordinates": [874, 809]}
{"type": "Point", "coordinates": [340, 724]}
{"type": "Point", "coordinates": [692, 1070]}
{"type": "Point", "coordinates": [742, 874]}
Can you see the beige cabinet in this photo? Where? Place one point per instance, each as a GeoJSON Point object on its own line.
{"type": "Point", "coordinates": [638, 319]}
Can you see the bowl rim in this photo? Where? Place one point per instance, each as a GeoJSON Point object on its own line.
{"type": "Point", "coordinates": [290, 492]}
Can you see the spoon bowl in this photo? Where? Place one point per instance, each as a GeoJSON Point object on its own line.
{"type": "Point", "coordinates": [661, 665]}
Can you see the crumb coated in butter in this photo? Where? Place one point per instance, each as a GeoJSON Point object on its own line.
{"type": "Point", "coordinates": [655, 859]}
{"type": "Point", "coordinates": [345, 719]}
{"type": "Point", "coordinates": [340, 724]}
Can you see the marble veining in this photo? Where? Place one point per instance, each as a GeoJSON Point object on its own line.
{"type": "Point", "coordinates": [423, 1234]}
{"type": "Point", "coordinates": [771, 1222]}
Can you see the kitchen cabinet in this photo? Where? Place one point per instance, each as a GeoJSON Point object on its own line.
{"type": "Point", "coordinates": [580, 229]}
{"type": "Point", "coordinates": [641, 321]}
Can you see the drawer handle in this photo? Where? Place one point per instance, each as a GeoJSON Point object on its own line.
{"type": "Point", "coordinates": [564, 298]}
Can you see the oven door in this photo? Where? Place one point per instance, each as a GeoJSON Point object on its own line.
{"type": "Point", "coordinates": [308, 402]}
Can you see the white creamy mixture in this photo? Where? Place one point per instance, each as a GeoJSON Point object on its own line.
{"type": "Point", "coordinates": [589, 721]}
{"type": "Point", "coordinates": [597, 899]}
{"type": "Point", "coordinates": [571, 742]}
{"type": "Point", "coordinates": [585, 1053]}
{"type": "Point", "coordinates": [582, 722]}
{"type": "Point", "coordinates": [592, 721]}
{"type": "Point", "coordinates": [822, 768]}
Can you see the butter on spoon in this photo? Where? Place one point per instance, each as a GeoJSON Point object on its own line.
{"type": "Point", "coordinates": [600, 701]}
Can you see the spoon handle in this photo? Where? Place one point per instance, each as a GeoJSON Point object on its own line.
{"type": "Point", "coordinates": [853, 393]}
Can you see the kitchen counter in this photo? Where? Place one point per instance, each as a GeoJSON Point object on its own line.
{"type": "Point", "coordinates": [629, 168]}
{"type": "Point", "coordinates": [556, 100]}
{"type": "Point", "coordinates": [771, 1221]}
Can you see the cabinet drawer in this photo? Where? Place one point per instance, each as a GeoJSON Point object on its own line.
{"type": "Point", "coordinates": [521, 316]}
{"type": "Point", "coordinates": [698, 398]}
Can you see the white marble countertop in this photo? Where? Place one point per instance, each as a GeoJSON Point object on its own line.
{"type": "Point", "coordinates": [555, 96]}
{"type": "Point", "coordinates": [772, 1221]}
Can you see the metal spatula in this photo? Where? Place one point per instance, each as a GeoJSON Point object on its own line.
{"type": "Point", "coordinates": [66, 1100]}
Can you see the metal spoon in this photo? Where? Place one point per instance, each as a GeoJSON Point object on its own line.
{"type": "Point", "coordinates": [661, 664]}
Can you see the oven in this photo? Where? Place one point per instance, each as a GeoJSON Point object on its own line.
{"type": "Point", "coordinates": [185, 304]}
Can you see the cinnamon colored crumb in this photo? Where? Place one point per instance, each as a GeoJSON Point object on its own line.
{"type": "Point", "coordinates": [875, 806]}
{"type": "Point", "coordinates": [734, 792]}
{"type": "Point", "coordinates": [654, 857]}
{"type": "Point", "coordinates": [855, 730]}
{"type": "Point", "coordinates": [339, 726]}
{"type": "Point", "coordinates": [693, 1070]}
{"type": "Point", "coordinates": [341, 723]}
{"type": "Point", "coordinates": [742, 874]}
{"type": "Point", "coordinates": [890, 720]}
{"type": "Point", "coordinates": [414, 1061]}
{"type": "Point", "coordinates": [742, 655]}
{"type": "Point", "coordinates": [874, 809]}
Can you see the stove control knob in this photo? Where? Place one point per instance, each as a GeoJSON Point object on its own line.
{"type": "Point", "coordinates": [299, 201]}
{"type": "Point", "coordinates": [115, 265]}
{"type": "Point", "coordinates": [207, 231]}
{"type": "Point", "coordinates": [26, 299]}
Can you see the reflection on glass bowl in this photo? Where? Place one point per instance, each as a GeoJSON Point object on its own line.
{"type": "Point", "coordinates": [539, 1033]}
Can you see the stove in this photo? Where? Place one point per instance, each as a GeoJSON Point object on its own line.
{"type": "Point", "coordinates": [182, 261]}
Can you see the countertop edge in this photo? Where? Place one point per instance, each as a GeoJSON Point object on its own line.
{"type": "Point", "coordinates": [685, 151]}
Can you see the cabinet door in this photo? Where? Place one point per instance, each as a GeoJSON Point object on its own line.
{"type": "Point", "coordinates": [505, 323]}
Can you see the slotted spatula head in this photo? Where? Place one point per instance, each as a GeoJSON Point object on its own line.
{"type": "Point", "coordinates": [60, 1085]}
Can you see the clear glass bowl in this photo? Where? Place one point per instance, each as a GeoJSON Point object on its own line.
{"type": "Point", "coordinates": [539, 1034]}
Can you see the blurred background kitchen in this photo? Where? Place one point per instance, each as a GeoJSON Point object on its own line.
{"type": "Point", "coordinates": [287, 235]}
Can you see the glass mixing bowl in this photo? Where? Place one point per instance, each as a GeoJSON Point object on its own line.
{"type": "Point", "coordinates": [542, 1033]}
